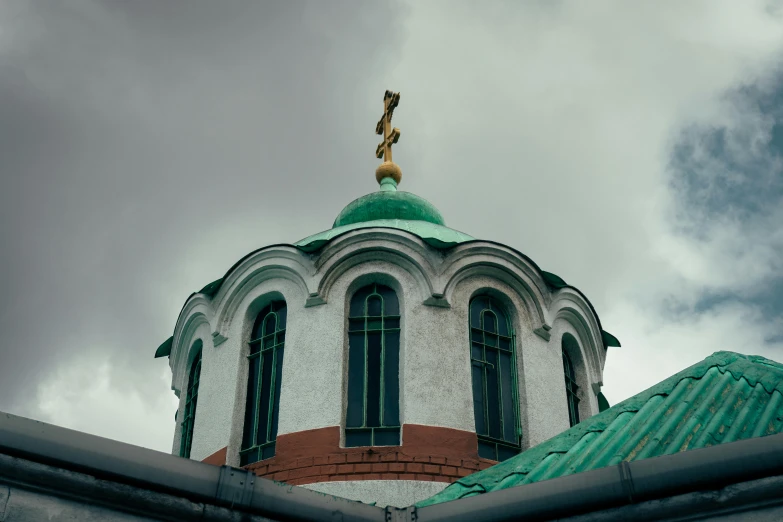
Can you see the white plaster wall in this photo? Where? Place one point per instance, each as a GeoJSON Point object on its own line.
{"type": "Point", "coordinates": [395, 493]}
{"type": "Point", "coordinates": [215, 400]}
{"type": "Point", "coordinates": [435, 385]}
{"type": "Point", "coordinates": [294, 402]}
{"type": "Point", "coordinates": [408, 292]}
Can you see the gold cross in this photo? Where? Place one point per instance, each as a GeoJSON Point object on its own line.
{"type": "Point", "coordinates": [384, 150]}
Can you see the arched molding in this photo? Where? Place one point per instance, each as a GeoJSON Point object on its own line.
{"type": "Point", "coordinates": [384, 247]}
{"type": "Point", "coordinates": [584, 376]}
{"type": "Point", "coordinates": [182, 348]}
{"type": "Point", "coordinates": [412, 244]}
{"type": "Point", "coordinates": [587, 350]}
{"type": "Point", "coordinates": [572, 307]}
{"type": "Point", "coordinates": [512, 274]}
{"type": "Point", "coordinates": [468, 253]}
{"type": "Point", "coordinates": [196, 304]}
{"type": "Point", "coordinates": [282, 263]}
{"type": "Point", "coordinates": [360, 280]}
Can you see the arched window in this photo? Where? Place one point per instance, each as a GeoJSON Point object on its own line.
{"type": "Point", "coordinates": [263, 384]}
{"type": "Point", "coordinates": [373, 416]}
{"type": "Point", "coordinates": [571, 388]}
{"type": "Point", "coordinates": [191, 397]}
{"type": "Point", "coordinates": [493, 367]}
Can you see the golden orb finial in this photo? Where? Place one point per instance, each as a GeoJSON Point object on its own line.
{"type": "Point", "coordinates": [388, 169]}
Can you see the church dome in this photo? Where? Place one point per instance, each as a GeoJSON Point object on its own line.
{"type": "Point", "coordinates": [390, 208]}
{"type": "Point", "coordinates": [389, 203]}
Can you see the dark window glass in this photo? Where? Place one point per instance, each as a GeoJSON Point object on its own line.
{"type": "Point", "coordinates": [373, 413]}
{"type": "Point", "coordinates": [358, 301]}
{"type": "Point", "coordinates": [493, 378]}
{"type": "Point", "coordinates": [490, 322]}
{"type": "Point", "coordinates": [486, 450]}
{"type": "Point", "coordinates": [387, 437]}
{"type": "Point", "coordinates": [374, 379]}
{"type": "Point", "coordinates": [360, 437]}
{"type": "Point", "coordinates": [356, 356]}
{"type": "Point", "coordinates": [191, 398]}
{"type": "Point", "coordinates": [265, 370]}
{"type": "Point", "coordinates": [391, 306]}
{"type": "Point", "coordinates": [506, 452]}
{"type": "Point", "coordinates": [391, 379]}
{"type": "Point", "coordinates": [571, 388]}
{"type": "Point", "coordinates": [509, 407]}
{"type": "Point", "coordinates": [251, 403]}
{"type": "Point", "coordinates": [493, 393]}
{"type": "Point", "coordinates": [374, 306]}
{"type": "Point", "coordinates": [478, 398]}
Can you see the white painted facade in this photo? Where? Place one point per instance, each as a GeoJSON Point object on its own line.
{"type": "Point", "coordinates": [434, 289]}
{"type": "Point", "coordinates": [395, 493]}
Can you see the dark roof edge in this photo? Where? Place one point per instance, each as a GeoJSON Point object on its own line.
{"type": "Point", "coordinates": [164, 350]}
{"type": "Point", "coordinates": [144, 468]}
{"type": "Point", "coordinates": [624, 484]}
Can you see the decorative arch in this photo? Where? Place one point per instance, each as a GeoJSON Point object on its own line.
{"type": "Point", "coordinates": [494, 378]}
{"type": "Point", "coordinates": [183, 339]}
{"type": "Point", "coordinates": [368, 246]}
{"type": "Point", "coordinates": [530, 298]}
{"type": "Point", "coordinates": [245, 279]}
{"type": "Point", "coordinates": [590, 352]}
{"type": "Point", "coordinates": [373, 399]}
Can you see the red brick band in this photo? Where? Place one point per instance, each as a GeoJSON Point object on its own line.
{"type": "Point", "coordinates": [429, 453]}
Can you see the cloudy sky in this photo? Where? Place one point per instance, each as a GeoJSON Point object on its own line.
{"type": "Point", "coordinates": [634, 149]}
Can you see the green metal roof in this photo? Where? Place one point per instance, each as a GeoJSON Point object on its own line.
{"type": "Point", "coordinates": [433, 234]}
{"type": "Point", "coordinates": [164, 350]}
{"type": "Point", "coordinates": [724, 398]}
{"type": "Point", "coordinates": [388, 203]}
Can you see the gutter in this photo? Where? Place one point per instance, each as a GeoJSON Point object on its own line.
{"type": "Point", "coordinates": [624, 484]}
{"type": "Point", "coordinates": [620, 485]}
{"type": "Point", "coordinates": [224, 486]}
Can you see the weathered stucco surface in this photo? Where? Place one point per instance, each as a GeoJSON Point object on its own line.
{"type": "Point", "coordinates": [434, 289]}
{"type": "Point", "coordinates": [395, 493]}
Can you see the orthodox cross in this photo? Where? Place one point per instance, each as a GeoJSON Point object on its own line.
{"type": "Point", "coordinates": [384, 128]}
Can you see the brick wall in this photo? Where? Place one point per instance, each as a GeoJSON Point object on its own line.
{"type": "Point", "coordinates": [428, 453]}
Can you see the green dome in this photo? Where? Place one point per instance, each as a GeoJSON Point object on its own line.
{"type": "Point", "coordinates": [388, 203]}
{"type": "Point", "coordinates": [433, 234]}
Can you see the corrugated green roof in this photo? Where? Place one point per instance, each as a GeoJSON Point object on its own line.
{"type": "Point", "coordinates": [724, 398]}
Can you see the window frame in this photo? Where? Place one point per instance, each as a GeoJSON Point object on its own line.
{"type": "Point", "coordinates": [264, 342]}
{"type": "Point", "coordinates": [389, 426]}
{"type": "Point", "coordinates": [485, 440]}
{"type": "Point", "coordinates": [189, 410]}
{"type": "Point", "coordinates": [572, 388]}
